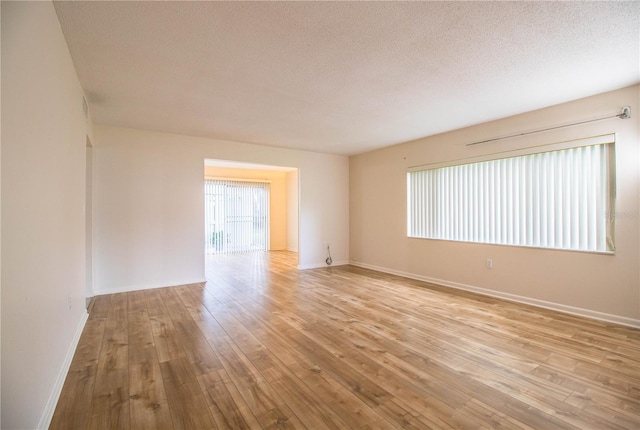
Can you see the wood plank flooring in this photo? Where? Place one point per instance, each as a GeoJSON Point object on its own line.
{"type": "Point", "coordinates": [262, 345]}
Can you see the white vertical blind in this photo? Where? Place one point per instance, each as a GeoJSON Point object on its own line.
{"type": "Point", "coordinates": [558, 199]}
{"type": "Point", "coordinates": [236, 216]}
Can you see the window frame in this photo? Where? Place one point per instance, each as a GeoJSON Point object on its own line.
{"type": "Point", "coordinates": [606, 139]}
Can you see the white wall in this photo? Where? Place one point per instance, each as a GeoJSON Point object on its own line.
{"type": "Point", "coordinates": [149, 213]}
{"type": "Point", "coordinates": [43, 177]}
{"type": "Point", "coordinates": [603, 286]}
{"type": "Point", "coordinates": [292, 211]}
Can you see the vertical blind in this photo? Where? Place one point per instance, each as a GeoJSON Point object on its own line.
{"type": "Point", "coordinates": [236, 216]}
{"type": "Point", "coordinates": [558, 199]}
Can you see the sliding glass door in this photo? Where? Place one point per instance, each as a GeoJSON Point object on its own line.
{"type": "Point", "coordinates": [236, 216]}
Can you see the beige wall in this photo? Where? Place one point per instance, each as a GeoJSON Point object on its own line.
{"type": "Point", "coordinates": [277, 193]}
{"type": "Point", "coordinates": [43, 224]}
{"type": "Point", "coordinates": [292, 211]}
{"type": "Point", "coordinates": [603, 286]}
{"type": "Point", "coordinates": [149, 209]}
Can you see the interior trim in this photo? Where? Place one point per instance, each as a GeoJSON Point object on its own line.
{"type": "Point", "coordinates": [586, 313]}
{"type": "Point", "coordinates": [50, 407]}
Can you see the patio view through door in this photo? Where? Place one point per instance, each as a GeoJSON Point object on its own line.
{"type": "Point", "coordinates": [236, 216]}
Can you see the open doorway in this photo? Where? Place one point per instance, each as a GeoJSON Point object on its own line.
{"type": "Point", "coordinates": [234, 211]}
{"type": "Point", "coordinates": [88, 212]}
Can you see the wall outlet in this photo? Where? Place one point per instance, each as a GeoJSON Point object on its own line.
{"type": "Point", "coordinates": [69, 300]}
{"type": "Point", "coordinates": [489, 263]}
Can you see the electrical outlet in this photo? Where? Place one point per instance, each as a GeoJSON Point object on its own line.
{"type": "Point", "coordinates": [489, 263]}
{"type": "Point", "coordinates": [69, 300]}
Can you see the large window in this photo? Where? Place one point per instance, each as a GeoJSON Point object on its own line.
{"type": "Point", "coordinates": [561, 198]}
{"type": "Point", "coordinates": [236, 216]}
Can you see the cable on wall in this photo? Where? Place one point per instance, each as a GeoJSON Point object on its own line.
{"type": "Point", "coordinates": [625, 113]}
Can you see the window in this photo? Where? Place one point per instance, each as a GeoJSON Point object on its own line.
{"type": "Point", "coordinates": [236, 216]}
{"type": "Point", "coordinates": [560, 198]}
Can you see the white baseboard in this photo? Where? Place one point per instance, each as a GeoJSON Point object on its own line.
{"type": "Point", "coordinates": [321, 265]}
{"type": "Point", "coordinates": [50, 407]}
{"type": "Point", "coordinates": [587, 313]}
{"type": "Point", "coordinates": [130, 288]}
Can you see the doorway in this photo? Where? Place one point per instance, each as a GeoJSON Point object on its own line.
{"type": "Point", "coordinates": [280, 219]}
{"type": "Point", "coordinates": [88, 213]}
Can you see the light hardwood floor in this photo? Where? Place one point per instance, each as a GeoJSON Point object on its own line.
{"type": "Point", "coordinates": [263, 345]}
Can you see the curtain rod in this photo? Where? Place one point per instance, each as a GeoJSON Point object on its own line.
{"type": "Point", "coordinates": [625, 113]}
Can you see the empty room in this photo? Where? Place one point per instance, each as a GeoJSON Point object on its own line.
{"type": "Point", "coordinates": [320, 215]}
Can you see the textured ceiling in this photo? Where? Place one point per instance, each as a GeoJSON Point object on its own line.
{"type": "Point", "coordinates": [342, 77]}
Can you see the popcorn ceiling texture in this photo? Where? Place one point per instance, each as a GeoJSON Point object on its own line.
{"type": "Point", "coordinates": [342, 77]}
